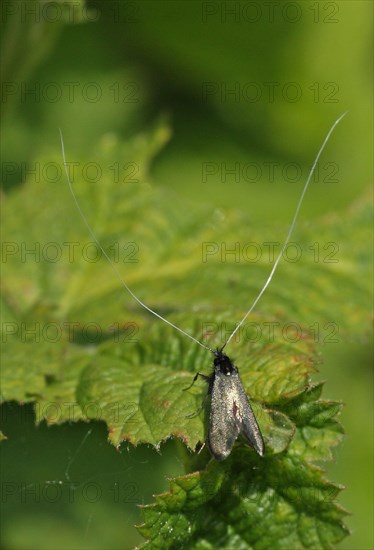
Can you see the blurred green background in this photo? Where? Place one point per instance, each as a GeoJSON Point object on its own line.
{"type": "Point", "coordinates": [243, 84]}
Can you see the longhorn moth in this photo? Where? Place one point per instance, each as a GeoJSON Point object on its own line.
{"type": "Point", "coordinates": [230, 411]}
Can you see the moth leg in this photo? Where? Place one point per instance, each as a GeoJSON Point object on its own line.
{"type": "Point", "coordinates": [192, 415]}
{"type": "Point", "coordinates": [201, 448]}
{"type": "Point", "coordinates": [204, 376]}
{"type": "Point", "coordinates": [207, 379]}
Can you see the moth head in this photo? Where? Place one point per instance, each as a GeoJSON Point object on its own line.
{"type": "Point", "coordinates": [223, 363]}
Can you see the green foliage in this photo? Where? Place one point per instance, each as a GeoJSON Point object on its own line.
{"type": "Point", "coordinates": [247, 503]}
{"type": "Point", "coordinates": [133, 375]}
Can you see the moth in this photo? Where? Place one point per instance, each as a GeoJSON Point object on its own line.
{"type": "Point", "coordinates": [230, 411]}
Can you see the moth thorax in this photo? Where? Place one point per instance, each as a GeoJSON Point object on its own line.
{"type": "Point", "coordinates": [223, 363]}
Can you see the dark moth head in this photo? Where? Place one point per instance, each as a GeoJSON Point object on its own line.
{"type": "Point", "coordinates": [223, 363]}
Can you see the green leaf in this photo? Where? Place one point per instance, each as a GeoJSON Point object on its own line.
{"type": "Point", "coordinates": [318, 430]}
{"type": "Point", "coordinates": [79, 348]}
{"type": "Point", "coordinates": [141, 396]}
{"type": "Point", "coordinates": [141, 404]}
{"type": "Point", "coordinates": [247, 502]}
{"type": "Point", "coordinates": [266, 507]}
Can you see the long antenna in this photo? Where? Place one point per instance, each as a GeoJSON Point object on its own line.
{"type": "Point", "coordinates": [117, 273]}
{"type": "Point", "coordinates": [289, 231]}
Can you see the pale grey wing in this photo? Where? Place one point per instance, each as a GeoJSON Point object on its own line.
{"type": "Point", "coordinates": [248, 425]}
{"type": "Point", "coordinates": [231, 414]}
{"type": "Point", "coordinates": [224, 424]}
{"type": "Point", "coordinates": [250, 429]}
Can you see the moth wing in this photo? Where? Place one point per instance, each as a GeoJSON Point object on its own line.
{"type": "Point", "coordinates": [247, 420]}
{"type": "Point", "coordinates": [224, 424]}
{"type": "Point", "coordinates": [250, 429]}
